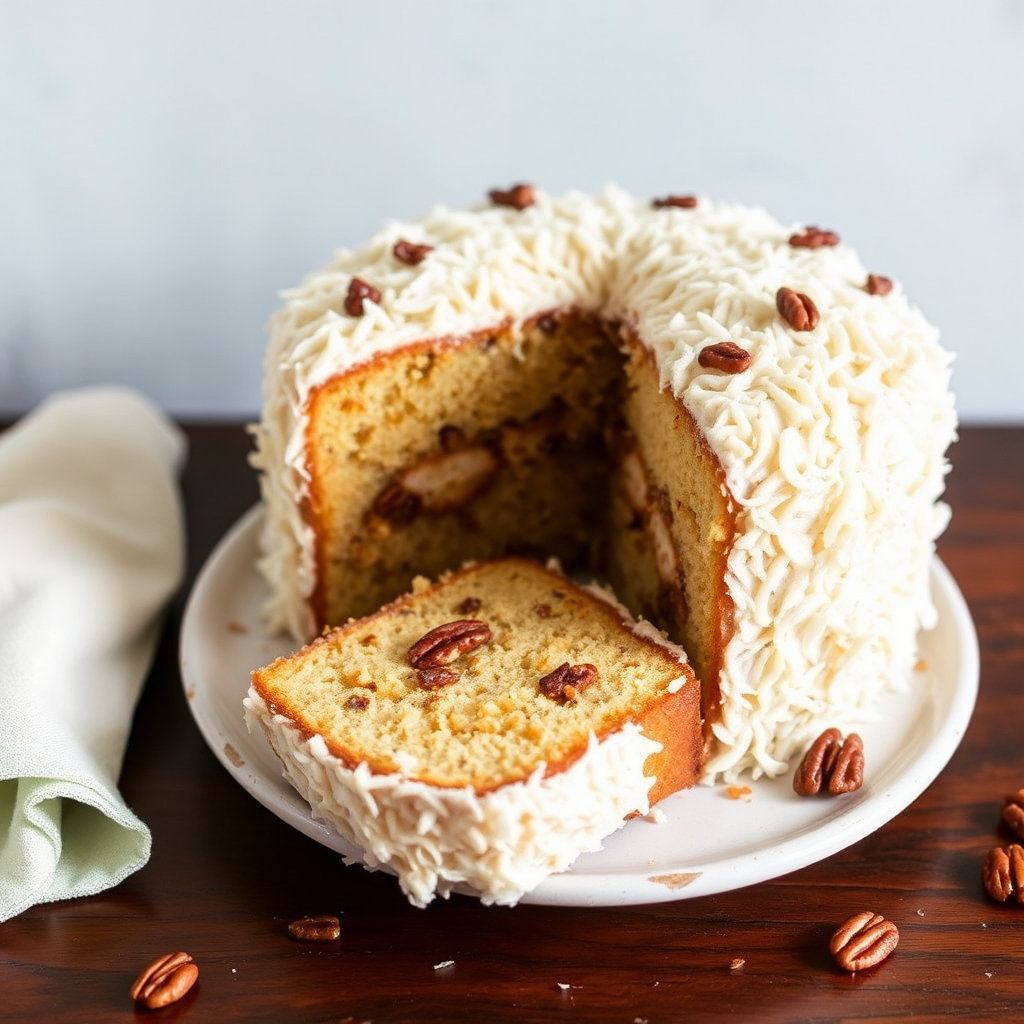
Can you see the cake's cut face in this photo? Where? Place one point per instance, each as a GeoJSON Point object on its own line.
{"type": "Point", "coordinates": [672, 525]}
{"type": "Point", "coordinates": [484, 730]}
{"type": "Point", "coordinates": [487, 717]}
{"type": "Point", "coordinates": [732, 419]}
{"type": "Point", "coordinates": [427, 457]}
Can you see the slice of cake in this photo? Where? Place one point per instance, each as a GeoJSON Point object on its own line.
{"type": "Point", "coordinates": [483, 731]}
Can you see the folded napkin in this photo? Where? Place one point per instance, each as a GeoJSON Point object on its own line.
{"type": "Point", "coordinates": [91, 548]}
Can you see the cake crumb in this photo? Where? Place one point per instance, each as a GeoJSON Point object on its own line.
{"type": "Point", "coordinates": [739, 793]}
{"type": "Point", "coordinates": [443, 964]}
{"type": "Point", "coordinates": [988, 974]}
{"type": "Point", "coordinates": [737, 963]}
{"type": "Point", "coordinates": [920, 913]}
{"type": "Point", "coordinates": [234, 626]}
{"type": "Point", "coordinates": [921, 665]}
{"type": "Point", "coordinates": [656, 816]}
{"type": "Point", "coordinates": [564, 985]}
{"type": "Point", "coordinates": [675, 880]}
{"type": "Point", "coordinates": [233, 755]}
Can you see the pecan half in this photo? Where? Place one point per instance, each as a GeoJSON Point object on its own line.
{"type": "Point", "coordinates": [358, 291]}
{"type": "Point", "coordinates": [726, 356]}
{"type": "Point", "coordinates": [863, 941]}
{"type": "Point", "coordinates": [685, 202]}
{"type": "Point", "coordinates": [831, 763]}
{"type": "Point", "coordinates": [164, 981]}
{"type": "Point", "coordinates": [519, 196]}
{"type": "Point", "coordinates": [319, 928]}
{"type": "Point", "coordinates": [444, 644]}
{"type": "Point", "coordinates": [410, 253]}
{"type": "Point", "coordinates": [797, 309]}
{"type": "Point", "coordinates": [435, 678]}
{"type": "Point", "coordinates": [813, 237]}
{"type": "Point", "coordinates": [567, 681]}
{"type": "Point", "coordinates": [1013, 813]}
{"type": "Point", "coordinates": [876, 284]}
{"type": "Point", "coordinates": [1003, 873]}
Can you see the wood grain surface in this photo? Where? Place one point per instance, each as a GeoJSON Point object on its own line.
{"type": "Point", "coordinates": [226, 876]}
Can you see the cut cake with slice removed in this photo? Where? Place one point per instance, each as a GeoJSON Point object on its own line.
{"type": "Point", "coordinates": [484, 730]}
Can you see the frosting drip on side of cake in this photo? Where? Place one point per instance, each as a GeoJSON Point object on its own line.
{"type": "Point", "coordinates": [501, 845]}
{"type": "Point", "coordinates": [832, 441]}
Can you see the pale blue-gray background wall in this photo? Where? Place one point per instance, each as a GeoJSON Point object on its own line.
{"type": "Point", "coordinates": [167, 168]}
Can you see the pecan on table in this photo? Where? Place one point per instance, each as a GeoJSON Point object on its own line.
{"type": "Point", "coordinates": [831, 764]}
{"type": "Point", "coordinates": [1013, 813]}
{"type": "Point", "coordinates": [444, 644]}
{"type": "Point", "coordinates": [863, 941]}
{"type": "Point", "coordinates": [164, 981]}
{"type": "Point", "coordinates": [319, 928]}
{"type": "Point", "coordinates": [1003, 873]}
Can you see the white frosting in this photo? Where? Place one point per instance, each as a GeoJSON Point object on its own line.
{"type": "Point", "coordinates": [832, 441]}
{"type": "Point", "coordinates": [499, 845]}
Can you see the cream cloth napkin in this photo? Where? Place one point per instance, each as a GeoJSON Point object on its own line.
{"type": "Point", "coordinates": [91, 549]}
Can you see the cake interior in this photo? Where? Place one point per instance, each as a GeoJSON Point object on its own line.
{"type": "Point", "coordinates": [553, 438]}
{"type": "Point", "coordinates": [356, 688]}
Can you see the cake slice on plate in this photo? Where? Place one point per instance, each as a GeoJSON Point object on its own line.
{"type": "Point", "coordinates": [485, 730]}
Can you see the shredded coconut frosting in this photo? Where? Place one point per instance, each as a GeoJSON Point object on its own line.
{"type": "Point", "coordinates": [500, 845]}
{"type": "Point", "coordinates": [832, 440]}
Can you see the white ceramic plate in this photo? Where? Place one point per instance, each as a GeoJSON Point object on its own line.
{"type": "Point", "coordinates": [708, 841]}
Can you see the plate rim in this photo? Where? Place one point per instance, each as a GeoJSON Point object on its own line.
{"type": "Point", "coordinates": [841, 828]}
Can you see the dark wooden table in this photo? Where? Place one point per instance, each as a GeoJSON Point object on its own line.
{"type": "Point", "coordinates": [226, 876]}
